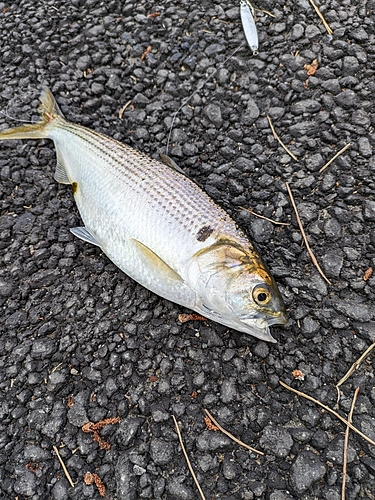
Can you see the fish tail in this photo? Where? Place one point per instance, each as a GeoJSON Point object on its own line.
{"type": "Point", "coordinates": [49, 111]}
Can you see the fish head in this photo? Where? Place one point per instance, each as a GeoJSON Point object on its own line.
{"type": "Point", "coordinates": [236, 288]}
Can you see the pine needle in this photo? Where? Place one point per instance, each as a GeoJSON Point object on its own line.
{"type": "Point", "coordinates": [224, 431]}
{"type": "Point", "coordinates": [187, 458]}
{"type": "Point", "coordinates": [315, 262]}
{"type": "Point", "coordinates": [280, 141]}
{"type": "Point", "coordinates": [334, 158]}
{"type": "Point", "coordinates": [337, 415]}
{"type": "Point", "coordinates": [346, 441]}
{"type": "Point", "coordinates": [326, 25]}
{"type": "Point", "coordinates": [265, 218]}
{"type": "Point", "coordinates": [63, 466]}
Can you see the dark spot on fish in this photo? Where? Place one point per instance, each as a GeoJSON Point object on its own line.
{"type": "Point", "coordinates": [204, 233]}
{"type": "Point", "coordinates": [74, 187]}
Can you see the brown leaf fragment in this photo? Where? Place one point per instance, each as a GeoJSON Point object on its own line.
{"type": "Point", "coordinates": [154, 14]}
{"type": "Point", "coordinates": [368, 273]}
{"type": "Point", "coordinates": [94, 428]}
{"type": "Point", "coordinates": [298, 375]}
{"type": "Point", "coordinates": [311, 68]}
{"type": "Point", "coordinates": [153, 378]}
{"type": "Point", "coordinates": [95, 479]}
{"type": "Point", "coordinates": [194, 394]}
{"type": "Point", "coordinates": [147, 51]}
{"type": "Point", "coordinates": [210, 426]}
{"type": "Point", "coordinates": [183, 318]}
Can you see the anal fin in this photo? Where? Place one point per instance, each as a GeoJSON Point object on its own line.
{"type": "Point", "coordinates": [84, 234]}
{"type": "Point", "coordinates": [158, 265]}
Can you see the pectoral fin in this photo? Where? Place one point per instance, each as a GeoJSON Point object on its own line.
{"type": "Point", "coordinates": [161, 268]}
{"type": "Point", "coordinates": [84, 234]}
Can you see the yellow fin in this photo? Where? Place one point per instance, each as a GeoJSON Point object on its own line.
{"type": "Point", "coordinates": [156, 263]}
{"type": "Point", "coordinates": [49, 110]}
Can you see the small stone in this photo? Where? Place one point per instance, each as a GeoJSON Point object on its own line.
{"type": "Point", "coordinates": [297, 32]}
{"type": "Point", "coordinates": [347, 99]}
{"type": "Point", "coordinates": [332, 229]}
{"type": "Point", "coordinates": [180, 491]}
{"type": "Point", "coordinates": [161, 451]}
{"type": "Point", "coordinates": [335, 454]}
{"type": "Point", "coordinates": [276, 441]}
{"type": "Point", "coordinates": [364, 147]}
{"type": "Point", "coordinates": [228, 392]}
{"type": "Point", "coordinates": [77, 415]}
{"type": "Point", "coordinates": [305, 471]}
{"type": "Point", "coordinates": [332, 85]}
{"type": "Point", "coordinates": [213, 113]}
{"type": "Point", "coordinates": [25, 483]}
{"type": "Point", "coordinates": [306, 106]}
{"type": "Point", "coordinates": [125, 480]}
{"type": "Point", "coordinates": [60, 489]}
{"type": "Point", "coordinates": [314, 162]}
{"type": "Point", "coordinates": [83, 63]}
{"type": "Point", "coordinates": [42, 348]}
{"type": "Point", "coordinates": [332, 263]}
{"type": "Point", "coordinates": [310, 327]}
{"type": "Point", "coordinates": [6, 288]}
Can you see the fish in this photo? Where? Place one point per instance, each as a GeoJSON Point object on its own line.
{"type": "Point", "coordinates": [158, 226]}
{"type": "Point", "coordinates": [247, 13]}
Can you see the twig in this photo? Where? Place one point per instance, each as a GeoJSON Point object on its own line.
{"type": "Point", "coordinates": [334, 158]}
{"type": "Point", "coordinates": [315, 262]}
{"type": "Point", "coordinates": [121, 112]}
{"type": "Point", "coordinates": [326, 25]}
{"type": "Point", "coordinates": [187, 459]}
{"type": "Point", "coordinates": [280, 141]}
{"type": "Point", "coordinates": [346, 441]}
{"type": "Point", "coordinates": [266, 12]}
{"type": "Point", "coordinates": [63, 466]}
{"type": "Point", "coordinates": [231, 435]}
{"type": "Point", "coordinates": [337, 415]}
{"type": "Point", "coordinates": [266, 218]}
{"type": "Point", "coordinates": [355, 365]}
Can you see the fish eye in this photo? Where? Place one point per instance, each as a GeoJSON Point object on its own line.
{"type": "Point", "coordinates": [261, 295]}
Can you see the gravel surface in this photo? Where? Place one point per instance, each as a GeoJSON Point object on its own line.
{"type": "Point", "coordinates": [81, 342]}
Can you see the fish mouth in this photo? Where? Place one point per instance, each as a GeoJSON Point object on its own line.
{"type": "Point", "coordinates": [281, 318]}
{"type": "Point", "coordinates": [261, 328]}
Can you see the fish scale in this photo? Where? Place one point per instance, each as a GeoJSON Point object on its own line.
{"type": "Point", "coordinates": [159, 227]}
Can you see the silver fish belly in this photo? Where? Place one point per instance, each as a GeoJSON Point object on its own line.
{"type": "Point", "coordinates": [159, 227]}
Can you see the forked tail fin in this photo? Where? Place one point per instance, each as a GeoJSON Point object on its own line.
{"type": "Point", "coordinates": [49, 111]}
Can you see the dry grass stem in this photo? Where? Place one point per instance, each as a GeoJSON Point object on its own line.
{"type": "Point", "coordinates": [265, 218]}
{"type": "Point", "coordinates": [266, 12]}
{"type": "Point", "coordinates": [315, 262]}
{"type": "Point", "coordinates": [231, 435]}
{"type": "Point", "coordinates": [280, 141]}
{"type": "Point", "coordinates": [63, 466]}
{"type": "Point", "coordinates": [326, 25]}
{"type": "Point", "coordinates": [334, 158]}
{"type": "Point", "coordinates": [355, 365]}
{"type": "Point", "coordinates": [346, 441]}
{"type": "Point", "coordinates": [187, 458]}
{"type": "Point", "coordinates": [121, 112]}
{"type": "Point", "coordinates": [337, 415]}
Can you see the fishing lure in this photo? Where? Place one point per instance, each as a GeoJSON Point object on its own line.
{"type": "Point", "coordinates": [247, 12]}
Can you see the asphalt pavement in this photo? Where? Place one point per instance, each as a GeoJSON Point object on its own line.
{"type": "Point", "coordinates": [81, 342]}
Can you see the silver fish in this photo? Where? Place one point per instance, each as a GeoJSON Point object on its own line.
{"type": "Point", "coordinates": [248, 23]}
{"type": "Point", "coordinates": [159, 227]}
